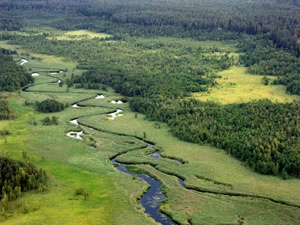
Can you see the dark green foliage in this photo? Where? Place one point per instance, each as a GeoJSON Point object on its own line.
{"type": "Point", "coordinates": [147, 84]}
{"type": "Point", "coordinates": [261, 57]}
{"type": "Point", "coordinates": [9, 23]}
{"type": "Point", "coordinates": [18, 176]}
{"type": "Point", "coordinates": [292, 83]}
{"type": "Point", "coordinates": [168, 69]}
{"type": "Point", "coordinates": [173, 18]}
{"type": "Point", "coordinates": [263, 134]}
{"type": "Point", "coordinates": [49, 106]}
{"type": "Point", "coordinates": [265, 80]}
{"type": "Point", "coordinates": [5, 111]}
{"type": "Point", "coordinates": [12, 75]}
{"type": "Point", "coordinates": [82, 192]}
{"type": "Point", "coordinates": [50, 121]}
{"type": "Point", "coordinates": [4, 132]}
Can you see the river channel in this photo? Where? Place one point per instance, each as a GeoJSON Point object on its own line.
{"type": "Point", "coordinates": [151, 200]}
{"type": "Point", "coordinates": [153, 197]}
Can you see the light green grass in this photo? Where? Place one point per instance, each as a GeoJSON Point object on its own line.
{"type": "Point", "coordinates": [81, 35]}
{"type": "Point", "coordinates": [237, 86]}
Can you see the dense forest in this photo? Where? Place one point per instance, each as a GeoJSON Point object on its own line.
{"type": "Point", "coordinates": [17, 177]}
{"type": "Point", "coordinates": [263, 134]}
{"type": "Point", "coordinates": [279, 18]}
{"type": "Point", "coordinates": [12, 75]}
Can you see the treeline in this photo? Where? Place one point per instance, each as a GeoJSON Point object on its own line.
{"type": "Point", "coordinates": [281, 19]}
{"type": "Point", "coordinates": [10, 23]}
{"type": "Point", "coordinates": [263, 134]}
{"type": "Point", "coordinates": [148, 84]}
{"type": "Point", "coordinates": [12, 75]}
{"type": "Point", "coordinates": [6, 112]}
{"type": "Point", "coordinates": [17, 177]}
{"type": "Point", "coordinates": [261, 57]}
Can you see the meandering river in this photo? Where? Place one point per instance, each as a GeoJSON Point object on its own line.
{"type": "Point", "coordinates": [153, 197]}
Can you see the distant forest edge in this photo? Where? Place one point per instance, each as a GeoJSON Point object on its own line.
{"type": "Point", "coordinates": [281, 19]}
{"type": "Point", "coordinates": [274, 20]}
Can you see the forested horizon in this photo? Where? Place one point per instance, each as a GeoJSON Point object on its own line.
{"type": "Point", "coordinates": [273, 20]}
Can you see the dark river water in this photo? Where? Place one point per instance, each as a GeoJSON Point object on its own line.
{"type": "Point", "coordinates": [152, 198]}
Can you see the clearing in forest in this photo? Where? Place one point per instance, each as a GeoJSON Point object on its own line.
{"type": "Point", "coordinates": [81, 35]}
{"type": "Point", "coordinates": [236, 86]}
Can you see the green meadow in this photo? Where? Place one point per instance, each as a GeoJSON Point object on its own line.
{"type": "Point", "coordinates": [81, 35]}
{"type": "Point", "coordinates": [236, 86]}
{"type": "Point", "coordinates": [113, 196]}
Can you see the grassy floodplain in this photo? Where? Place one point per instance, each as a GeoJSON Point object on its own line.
{"type": "Point", "coordinates": [73, 164]}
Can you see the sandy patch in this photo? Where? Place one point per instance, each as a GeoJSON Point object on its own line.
{"type": "Point", "coordinates": [113, 115]}
{"type": "Point", "coordinates": [23, 61]}
{"type": "Point", "coordinates": [35, 74]}
{"type": "Point", "coordinates": [75, 122]}
{"type": "Point", "coordinates": [76, 135]}
{"type": "Point", "coordinates": [117, 102]}
{"type": "Point", "coordinates": [75, 106]}
{"type": "Point", "coordinates": [99, 96]}
{"type": "Point", "coordinates": [55, 73]}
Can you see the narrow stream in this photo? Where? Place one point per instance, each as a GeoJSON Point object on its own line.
{"type": "Point", "coordinates": [152, 198]}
